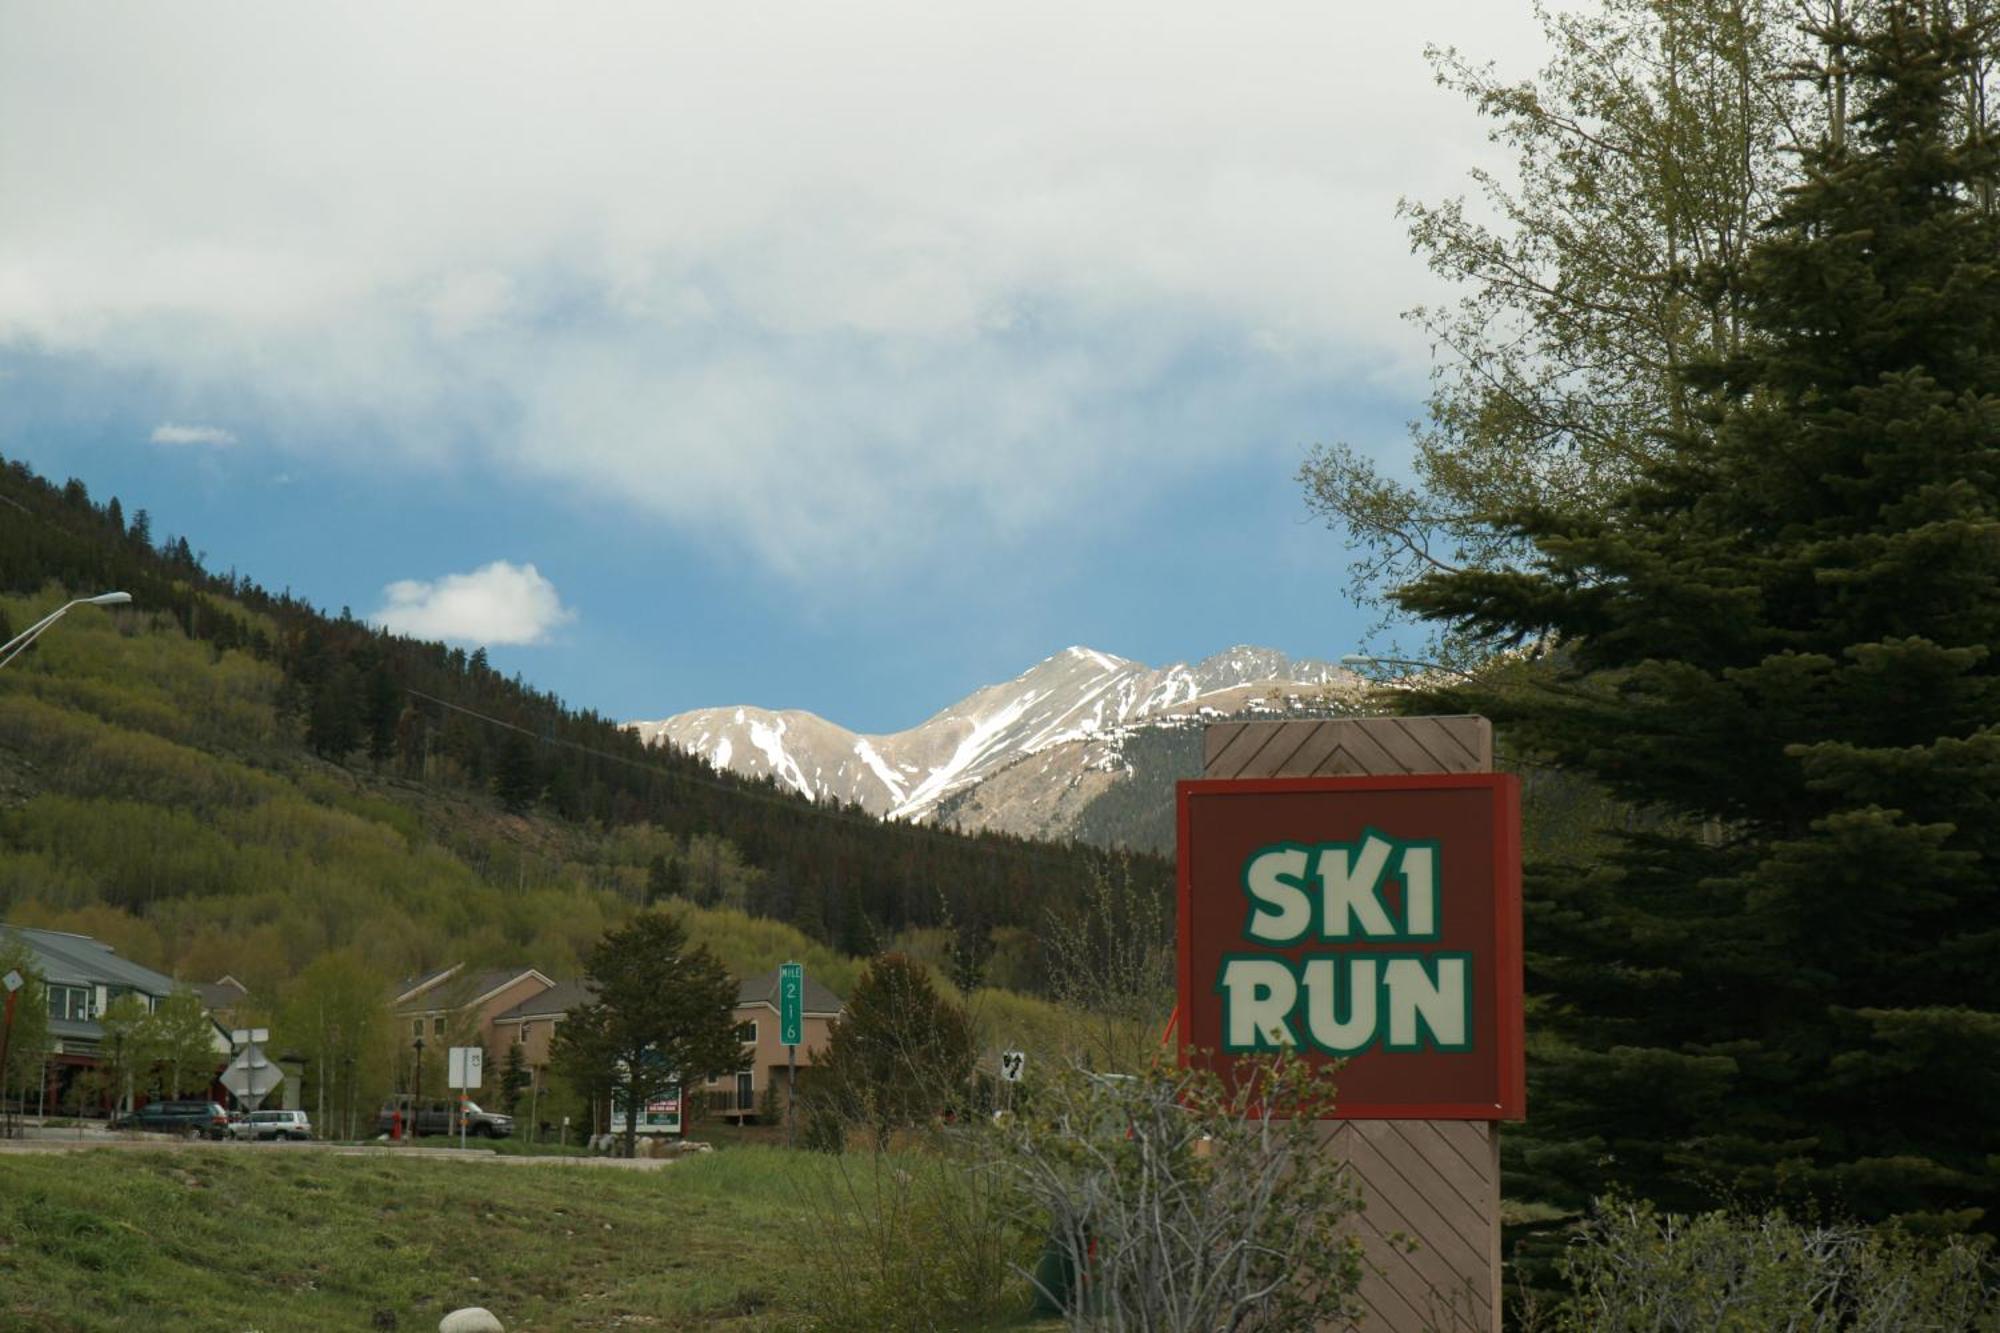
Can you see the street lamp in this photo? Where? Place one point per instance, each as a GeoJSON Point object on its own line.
{"type": "Point", "coordinates": [17, 645]}
{"type": "Point", "coordinates": [417, 1097]}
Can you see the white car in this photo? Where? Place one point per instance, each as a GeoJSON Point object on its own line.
{"type": "Point", "coordinates": [273, 1125]}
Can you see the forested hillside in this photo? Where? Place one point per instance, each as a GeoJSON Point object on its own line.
{"type": "Point", "coordinates": [222, 778]}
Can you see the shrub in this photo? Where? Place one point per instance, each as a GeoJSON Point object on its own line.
{"type": "Point", "coordinates": [1631, 1267]}
{"type": "Point", "coordinates": [1174, 1201]}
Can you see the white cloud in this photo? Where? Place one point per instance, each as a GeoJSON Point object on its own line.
{"type": "Point", "coordinates": [832, 287]}
{"type": "Point", "coordinates": [169, 433]}
{"type": "Point", "coordinates": [500, 603]}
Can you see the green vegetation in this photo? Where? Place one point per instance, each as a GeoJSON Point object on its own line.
{"type": "Point", "coordinates": [215, 752]}
{"type": "Point", "coordinates": [900, 1055]}
{"type": "Point", "coordinates": [222, 1239]}
{"type": "Point", "coordinates": [1632, 1269]}
{"type": "Point", "coordinates": [659, 1017]}
{"type": "Point", "coordinates": [1775, 643]}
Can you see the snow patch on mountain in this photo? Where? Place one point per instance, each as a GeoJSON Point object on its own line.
{"type": "Point", "coordinates": [1078, 696]}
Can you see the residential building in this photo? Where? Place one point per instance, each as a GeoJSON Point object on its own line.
{"type": "Point", "coordinates": [743, 1095]}
{"type": "Point", "coordinates": [82, 977]}
{"type": "Point", "coordinates": [739, 1096]}
{"type": "Point", "coordinates": [222, 997]}
{"type": "Point", "coordinates": [455, 1007]}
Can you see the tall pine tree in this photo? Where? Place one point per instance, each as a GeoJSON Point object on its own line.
{"type": "Point", "coordinates": [1779, 643]}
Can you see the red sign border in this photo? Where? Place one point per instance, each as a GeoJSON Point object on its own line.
{"type": "Point", "coordinates": [1507, 994]}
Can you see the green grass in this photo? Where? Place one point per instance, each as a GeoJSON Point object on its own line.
{"type": "Point", "coordinates": [218, 1239]}
{"type": "Point", "coordinates": [273, 1241]}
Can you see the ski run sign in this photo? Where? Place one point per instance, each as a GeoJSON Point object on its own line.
{"type": "Point", "coordinates": [1370, 920]}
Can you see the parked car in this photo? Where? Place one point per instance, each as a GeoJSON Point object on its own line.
{"type": "Point", "coordinates": [441, 1117]}
{"type": "Point", "coordinates": [263, 1125]}
{"type": "Point", "coordinates": [207, 1119]}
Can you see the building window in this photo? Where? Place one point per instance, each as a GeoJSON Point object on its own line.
{"type": "Point", "coordinates": [437, 1026]}
{"type": "Point", "coordinates": [521, 1033]}
{"type": "Point", "coordinates": [747, 1032]}
{"type": "Point", "coordinates": [71, 1002]}
{"type": "Point", "coordinates": [416, 1029]}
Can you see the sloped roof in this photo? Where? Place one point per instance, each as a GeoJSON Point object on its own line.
{"type": "Point", "coordinates": [78, 960]}
{"type": "Point", "coordinates": [558, 999]}
{"type": "Point", "coordinates": [221, 994]}
{"type": "Point", "coordinates": [763, 989]}
{"type": "Point", "coordinates": [451, 988]}
{"type": "Point", "coordinates": [410, 986]}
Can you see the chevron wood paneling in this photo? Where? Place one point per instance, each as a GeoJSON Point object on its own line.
{"type": "Point", "coordinates": [1432, 1187]}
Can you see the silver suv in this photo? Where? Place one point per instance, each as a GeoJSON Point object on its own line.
{"type": "Point", "coordinates": [262, 1125]}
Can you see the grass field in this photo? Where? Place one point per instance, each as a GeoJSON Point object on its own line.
{"type": "Point", "coordinates": [213, 1238]}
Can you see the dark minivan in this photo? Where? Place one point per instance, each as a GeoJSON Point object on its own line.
{"type": "Point", "coordinates": [204, 1118]}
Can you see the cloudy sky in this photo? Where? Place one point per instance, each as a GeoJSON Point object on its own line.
{"type": "Point", "coordinates": [843, 357]}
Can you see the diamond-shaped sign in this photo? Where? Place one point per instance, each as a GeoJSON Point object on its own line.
{"type": "Point", "coordinates": [251, 1077]}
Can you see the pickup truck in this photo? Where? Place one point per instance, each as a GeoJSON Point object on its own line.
{"type": "Point", "coordinates": [441, 1117]}
{"type": "Point", "coordinates": [204, 1118]}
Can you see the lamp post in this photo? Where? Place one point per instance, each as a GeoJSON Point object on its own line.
{"type": "Point", "coordinates": [417, 1096]}
{"type": "Point", "coordinates": [17, 645]}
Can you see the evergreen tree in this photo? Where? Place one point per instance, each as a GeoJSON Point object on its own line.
{"type": "Point", "coordinates": [665, 879]}
{"type": "Point", "coordinates": [333, 722]}
{"type": "Point", "coordinates": [516, 780]}
{"type": "Point", "coordinates": [899, 1054]}
{"type": "Point", "coordinates": [1779, 641]}
{"type": "Point", "coordinates": [662, 1015]}
{"type": "Point", "coordinates": [381, 710]}
{"type": "Point", "coordinates": [514, 1080]}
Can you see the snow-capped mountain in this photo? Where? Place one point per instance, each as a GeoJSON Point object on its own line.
{"type": "Point", "coordinates": [1074, 701]}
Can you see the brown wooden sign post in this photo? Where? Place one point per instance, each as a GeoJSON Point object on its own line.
{"type": "Point", "coordinates": [1350, 889]}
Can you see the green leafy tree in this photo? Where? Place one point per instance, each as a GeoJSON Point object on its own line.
{"type": "Point", "coordinates": [333, 1013]}
{"type": "Point", "coordinates": [1646, 153]}
{"type": "Point", "coordinates": [661, 1016]}
{"type": "Point", "coordinates": [1111, 955]}
{"type": "Point", "coordinates": [124, 1055]}
{"type": "Point", "coordinates": [1777, 640]}
{"type": "Point", "coordinates": [178, 1041]}
{"type": "Point", "coordinates": [30, 1042]}
{"type": "Point", "coordinates": [899, 1054]}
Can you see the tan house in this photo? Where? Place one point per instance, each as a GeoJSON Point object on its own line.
{"type": "Point", "coordinates": [455, 1007]}
{"type": "Point", "coordinates": [531, 1024]}
{"type": "Point", "coordinates": [741, 1096]}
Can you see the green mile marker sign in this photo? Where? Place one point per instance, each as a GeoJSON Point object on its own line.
{"type": "Point", "coordinates": [791, 1002]}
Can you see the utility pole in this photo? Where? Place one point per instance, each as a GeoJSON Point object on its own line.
{"type": "Point", "coordinates": [417, 1097]}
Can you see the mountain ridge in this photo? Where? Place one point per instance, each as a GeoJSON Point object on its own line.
{"type": "Point", "coordinates": [1078, 697]}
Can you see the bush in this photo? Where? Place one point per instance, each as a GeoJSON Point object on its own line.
{"type": "Point", "coordinates": [914, 1240]}
{"type": "Point", "coordinates": [1631, 1268]}
{"type": "Point", "coordinates": [1177, 1202]}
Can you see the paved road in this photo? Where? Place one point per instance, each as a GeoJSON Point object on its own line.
{"type": "Point", "coordinates": [58, 1141]}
